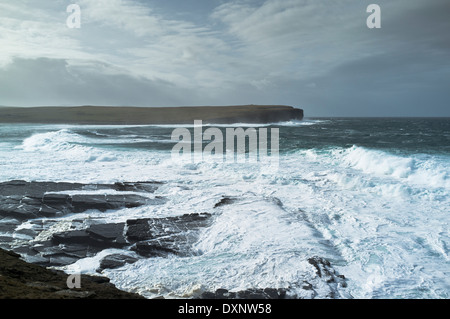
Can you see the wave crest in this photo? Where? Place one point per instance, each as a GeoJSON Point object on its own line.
{"type": "Point", "coordinates": [418, 169]}
{"type": "Point", "coordinates": [67, 144]}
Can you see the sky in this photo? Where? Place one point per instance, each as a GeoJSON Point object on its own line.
{"type": "Point", "coordinates": [318, 55]}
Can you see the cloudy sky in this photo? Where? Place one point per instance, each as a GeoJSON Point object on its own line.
{"type": "Point", "coordinates": [315, 54]}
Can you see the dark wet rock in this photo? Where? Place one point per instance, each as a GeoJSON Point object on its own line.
{"type": "Point", "coordinates": [273, 293]}
{"type": "Point", "coordinates": [27, 200]}
{"type": "Point", "coordinates": [38, 189]}
{"type": "Point", "coordinates": [100, 236]}
{"type": "Point", "coordinates": [26, 233]}
{"type": "Point", "coordinates": [35, 189]}
{"type": "Point", "coordinates": [307, 286]}
{"type": "Point", "coordinates": [155, 249]}
{"type": "Point", "coordinates": [145, 237]}
{"type": "Point", "coordinates": [147, 187]}
{"type": "Point", "coordinates": [328, 282]}
{"type": "Point", "coordinates": [325, 271]}
{"type": "Point", "coordinates": [75, 250]}
{"type": "Point", "coordinates": [12, 207]}
{"type": "Point", "coordinates": [225, 201]}
{"type": "Point", "coordinates": [252, 293]}
{"type": "Point", "coordinates": [115, 261]}
{"type": "Point", "coordinates": [48, 211]}
{"type": "Point", "coordinates": [223, 293]}
{"type": "Point", "coordinates": [7, 224]}
{"type": "Point", "coordinates": [81, 203]}
{"type": "Point", "coordinates": [21, 200]}
{"type": "Point", "coordinates": [267, 293]}
{"type": "Point", "coordinates": [72, 237]}
{"type": "Point", "coordinates": [48, 254]}
{"type": "Point", "coordinates": [151, 228]}
{"type": "Point", "coordinates": [158, 237]}
{"type": "Point", "coordinates": [61, 259]}
{"type": "Point", "coordinates": [148, 237]}
{"type": "Point", "coordinates": [56, 199]}
{"type": "Point", "coordinates": [108, 233]}
{"type": "Point", "coordinates": [138, 229]}
{"type": "Point", "coordinates": [322, 266]}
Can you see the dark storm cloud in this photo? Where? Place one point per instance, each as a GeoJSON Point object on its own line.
{"type": "Point", "coordinates": [422, 23]}
{"type": "Point", "coordinates": [402, 69]}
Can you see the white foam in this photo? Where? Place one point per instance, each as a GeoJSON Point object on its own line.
{"type": "Point", "coordinates": [419, 170]}
{"type": "Point", "coordinates": [61, 226]}
{"type": "Point", "coordinates": [64, 144]}
{"type": "Point", "coordinates": [305, 122]}
{"type": "Point", "coordinates": [61, 140]}
{"type": "Point", "coordinates": [384, 216]}
{"type": "Point", "coordinates": [89, 265]}
{"type": "Point", "coordinates": [251, 244]}
{"type": "Point", "coordinates": [385, 213]}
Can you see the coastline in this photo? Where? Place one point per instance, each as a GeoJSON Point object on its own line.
{"type": "Point", "coordinates": [26, 270]}
{"type": "Point", "coordinates": [109, 115]}
{"type": "Point", "coordinates": [89, 188]}
{"type": "Point", "coordinates": [22, 280]}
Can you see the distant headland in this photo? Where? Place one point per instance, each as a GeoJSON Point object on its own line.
{"type": "Point", "coordinates": [128, 115]}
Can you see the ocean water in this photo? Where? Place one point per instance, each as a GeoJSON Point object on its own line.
{"type": "Point", "coordinates": [369, 195]}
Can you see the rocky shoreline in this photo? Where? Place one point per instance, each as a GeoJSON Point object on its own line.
{"type": "Point", "coordinates": [40, 205]}
{"type": "Point", "coordinates": [149, 237]}
{"type": "Point", "coordinates": [22, 280]}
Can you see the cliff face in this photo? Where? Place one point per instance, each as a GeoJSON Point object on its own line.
{"type": "Point", "coordinates": [263, 115]}
{"type": "Point", "coordinates": [151, 115]}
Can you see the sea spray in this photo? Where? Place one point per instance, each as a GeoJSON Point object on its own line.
{"type": "Point", "coordinates": [371, 196]}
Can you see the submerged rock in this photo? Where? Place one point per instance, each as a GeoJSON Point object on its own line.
{"type": "Point", "coordinates": [100, 236]}
{"type": "Point", "coordinates": [158, 237]}
{"type": "Point", "coordinates": [115, 261]}
{"type": "Point", "coordinates": [327, 281]}
{"type": "Point", "coordinates": [225, 201]}
{"type": "Point", "coordinates": [28, 202]}
{"type": "Point", "coordinates": [148, 237]}
{"type": "Point", "coordinates": [252, 293]}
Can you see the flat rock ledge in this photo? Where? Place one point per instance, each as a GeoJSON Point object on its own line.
{"type": "Point", "coordinates": [40, 204]}
{"type": "Point", "coordinates": [22, 280]}
{"type": "Point", "coordinates": [27, 200]}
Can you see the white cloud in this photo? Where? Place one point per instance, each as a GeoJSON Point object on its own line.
{"type": "Point", "coordinates": [290, 37]}
{"type": "Point", "coordinates": [30, 32]}
{"type": "Point", "coordinates": [157, 47]}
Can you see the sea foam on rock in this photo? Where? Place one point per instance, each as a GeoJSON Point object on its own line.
{"type": "Point", "coordinates": [30, 224]}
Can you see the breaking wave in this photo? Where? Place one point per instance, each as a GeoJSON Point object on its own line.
{"type": "Point", "coordinates": [66, 144]}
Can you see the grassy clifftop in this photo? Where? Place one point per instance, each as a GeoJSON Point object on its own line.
{"type": "Point", "coordinates": [21, 280]}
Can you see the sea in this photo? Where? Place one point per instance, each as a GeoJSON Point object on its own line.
{"type": "Point", "coordinates": [370, 195]}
